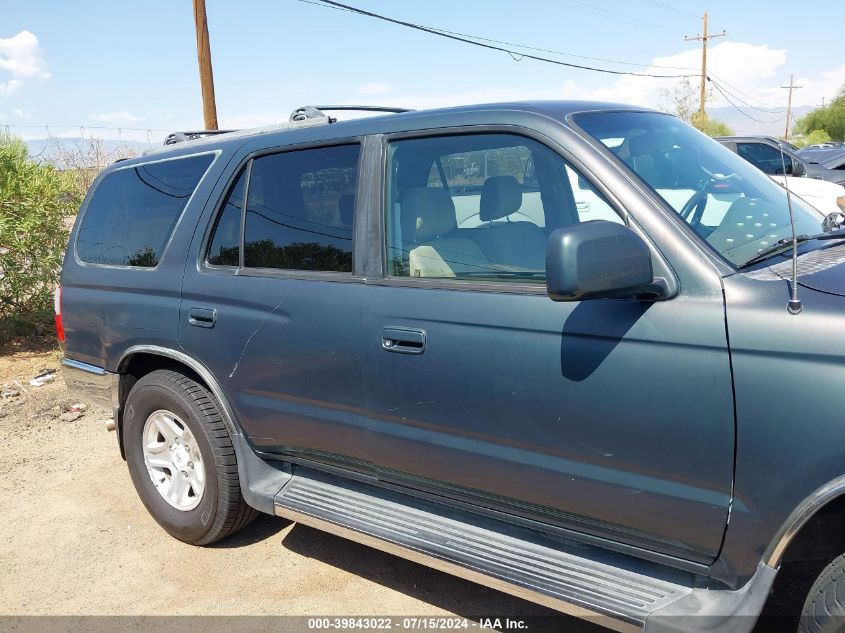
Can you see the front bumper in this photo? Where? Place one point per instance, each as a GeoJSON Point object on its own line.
{"type": "Point", "coordinates": [92, 384]}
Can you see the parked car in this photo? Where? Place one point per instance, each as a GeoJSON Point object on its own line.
{"type": "Point", "coordinates": [827, 197]}
{"type": "Point", "coordinates": [835, 163]}
{"type": "Point", "coordinates": [814, 157]}
{"type": "Point", "coordinates": [342, 324]}
{"type": "Point", "coordinates": [805, 179]}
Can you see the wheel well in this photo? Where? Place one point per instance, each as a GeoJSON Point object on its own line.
{"type": "Point", "coordinates": [816, 544]}
{"type": "Point", "coordinates": [822, 536]}
{"type": "Point", "coordinates": [135, 367]}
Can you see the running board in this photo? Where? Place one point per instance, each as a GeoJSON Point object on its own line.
{"type": "Point", "coordinates": [616, 591]}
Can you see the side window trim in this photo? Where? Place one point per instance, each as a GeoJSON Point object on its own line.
{"type": "Point", "coordinates": [99, 181]}
{"type": "Point", "coordinates": [242, 231]}
{"type": "Point", "coordinates": [219, 202]}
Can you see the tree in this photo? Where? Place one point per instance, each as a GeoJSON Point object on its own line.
{"type": "Point", "coordinates": [813, 138]}
{"type": "Point", "coordinates": [36, 202]}
{"type": "Point", "coordinates": [85, 157]}
{"type": "Point", "coordinates": [714, 127]}
{"type": "Point", "coordinates": [829, 119]}
{"type": "Point", "coordinates": [683, 100]}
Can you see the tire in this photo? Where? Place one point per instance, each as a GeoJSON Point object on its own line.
{"type": "Point", "coordinates": [824, 609]}
{"type": "Point", "coordinates": [169, 416]}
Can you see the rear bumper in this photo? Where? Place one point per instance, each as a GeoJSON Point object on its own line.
{"type": "Point", "coordinates": [92, 384]}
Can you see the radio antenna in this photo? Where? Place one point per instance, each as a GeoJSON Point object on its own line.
{"type": "Point", "coordinates": [794, 305]}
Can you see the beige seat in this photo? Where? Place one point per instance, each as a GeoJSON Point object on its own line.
{"type": "Point", "coordinates": [428, 217]}
{"type": "Point", "coordinates": [514, 245]}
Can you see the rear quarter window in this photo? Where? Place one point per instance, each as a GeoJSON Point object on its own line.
{"type": "Point", "coordinates": [134, 211]}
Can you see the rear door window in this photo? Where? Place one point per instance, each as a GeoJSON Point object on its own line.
{"type": "Point", "coordinates": [134, 211]}
{"type": "Point", "coordinates": [301, 210]}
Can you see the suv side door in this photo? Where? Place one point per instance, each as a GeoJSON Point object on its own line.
{"type": "Point", "coordinates": [609, 418]}
{"type": "Point", "coordinates": [271, 299]}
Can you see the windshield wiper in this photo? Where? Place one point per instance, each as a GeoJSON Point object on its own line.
{"type": "Point", "coordinates": [786, 242]}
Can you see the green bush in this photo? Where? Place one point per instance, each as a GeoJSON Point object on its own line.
{"type": "Point", "coordinates": [36, 201]}
{"type": "Point", "coordinates": [830, 119]}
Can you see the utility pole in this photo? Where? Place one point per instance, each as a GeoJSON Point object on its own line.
{"type": "Point", "coordinates": [703, 38]}
{"type": "Point", "coordinates": [790, 87]}
{"type": "Point", "coordinates": [209, 106]}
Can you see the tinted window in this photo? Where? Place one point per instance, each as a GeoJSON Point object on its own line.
{"type": "Point", "coordinates": [765, 157]}
{"type": "Point", "coordinates": [301, 210]}
{"type": "Point", "coordinates": [134, 211]}
{"type": "Point", "coordinates": [225, 247]}
{"type": "Point", "coordinates": [481, 207]}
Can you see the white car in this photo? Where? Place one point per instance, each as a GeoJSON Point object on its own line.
{"type": "Point", "coordinates": [827, 197]}
{"type": "Point", "coordinates": [775, 157]}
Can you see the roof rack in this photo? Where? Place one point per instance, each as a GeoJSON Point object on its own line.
{"type": "Point", "coordinates": [306, 113]}
{"type": "Point", "coordinates": [311, 114]}
{"type": "Point", "coordinates": [181, 137]}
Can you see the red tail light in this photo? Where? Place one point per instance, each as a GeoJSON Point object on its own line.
{"type": "Point", "coordinates": [57, 304]}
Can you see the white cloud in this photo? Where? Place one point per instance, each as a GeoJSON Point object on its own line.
{"type": "Point", "coordinates": [9, 87]}
{"type": "Point", "coordinates": [826, 85]}
{"type": "Point", "coordinates": [116, 117]}
{"type": "Point", "coordinates": [20, 114]}
{"type": "Point", "coordinates": [373, 88]}
{"type": "Point", "coordinates": [739, 64]}
{"type": "Point", "coordinates": [22, 56]}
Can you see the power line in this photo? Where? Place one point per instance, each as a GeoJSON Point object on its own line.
{"type": "Point", "coordinates": [584, 6]}
{"type": "Point", "coordinates": [734, 91]}
{"type": "Point", "coordinates": [516, 55]}
{"type": "Point", "coordinates": [725, 86]}
{"type": "Point", "coordinates": [554, 52]}
{"type": "Point", "coordinates": [673, 9]}
{"type": "Point", "coordinates": [740, 110]}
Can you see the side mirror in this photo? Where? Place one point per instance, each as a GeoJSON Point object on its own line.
{"type": "Point", "coordinates": [599, 259]}
{"type": "Point", "coordinates": [799, 169]}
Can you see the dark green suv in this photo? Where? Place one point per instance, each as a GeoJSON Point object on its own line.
{"type": "Point", "coordinates": [556, 348]}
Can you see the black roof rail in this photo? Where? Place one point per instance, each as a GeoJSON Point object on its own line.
{"type": "Point", "coordinates": [181, 137]}
{"type": "Point", "coordinates": [306, 113]}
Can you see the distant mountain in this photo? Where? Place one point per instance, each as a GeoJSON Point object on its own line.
{"type": "Point", "coordinates": [769, 123]}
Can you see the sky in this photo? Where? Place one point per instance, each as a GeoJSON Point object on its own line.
{"type": "Point", "coordinates": [117, 68]}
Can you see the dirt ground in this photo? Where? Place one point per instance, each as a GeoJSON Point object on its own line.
{"type": "Point", "coordinates": [76, 539]}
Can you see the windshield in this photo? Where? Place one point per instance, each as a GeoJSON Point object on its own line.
{"type": "Point", "coordinates": [729, 203]}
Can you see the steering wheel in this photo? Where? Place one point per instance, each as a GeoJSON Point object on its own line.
{"type": "Point", "coordinates": [693, 210]}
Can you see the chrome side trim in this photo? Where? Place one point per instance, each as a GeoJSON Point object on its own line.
{"type": "Point", "coordinates": [86, 367]}
{"type": "Point", "coordinates": [799, 517]}
{"type": "Point", "coordinates": [194, 364]}
{"type": "Point", "coordinates": [91, 383]}
{"type": "Point", "coordinates": [449, 567]}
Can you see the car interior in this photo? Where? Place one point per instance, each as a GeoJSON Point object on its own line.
{"type": "Point", "coordinates": [509, 239]}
